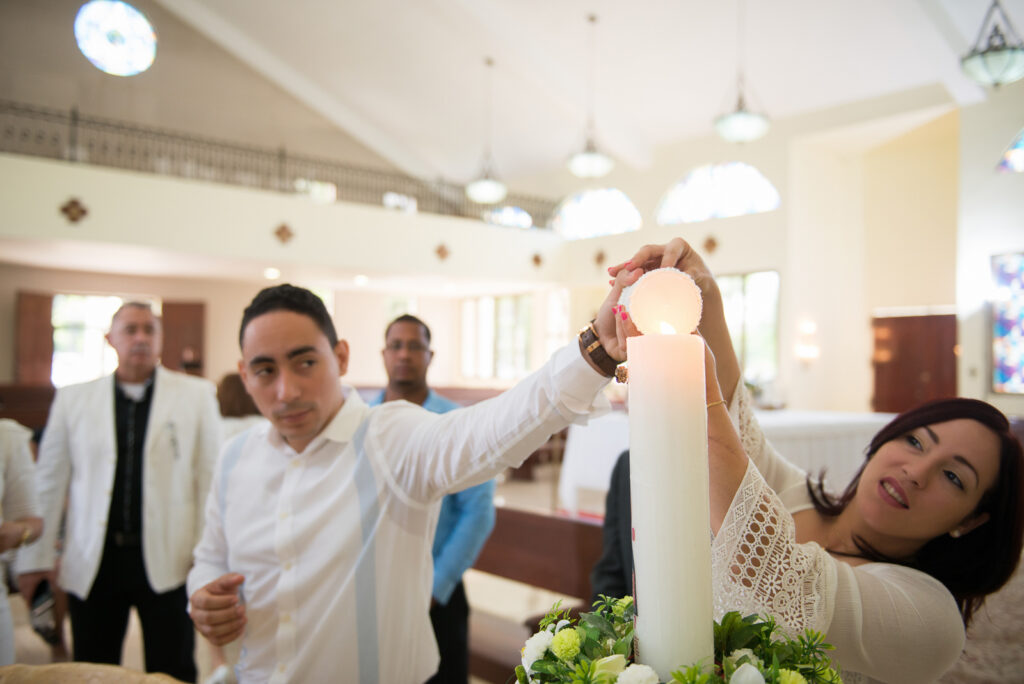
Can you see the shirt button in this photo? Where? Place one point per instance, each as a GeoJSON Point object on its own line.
{"type": "Point", "coordinates": [286, 618]}
{"type": "Point", "coordinates": [288, 565]}
{"type": "Point", "coordinates": [281, 667]}
{"type": "Point", "coordinates": [284, 514]}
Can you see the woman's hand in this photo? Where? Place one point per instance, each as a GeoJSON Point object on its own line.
{"type": "Point", "coordinates": [676, 253]}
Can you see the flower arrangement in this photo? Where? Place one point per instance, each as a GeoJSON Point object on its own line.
{"type": "Point", "coordinates": [598, 649]}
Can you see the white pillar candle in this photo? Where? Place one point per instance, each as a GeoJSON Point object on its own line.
{"type": "Point", "coordinates": [669, 475]}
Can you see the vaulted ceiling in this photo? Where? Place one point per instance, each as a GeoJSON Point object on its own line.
{"type": "Point", "coordinates": [406, 78]}
{"type": "Point", "coordinates": [402, 84]}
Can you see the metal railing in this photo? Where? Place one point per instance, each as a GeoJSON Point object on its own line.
{"type": "Point", "coordinates": [69, 136]}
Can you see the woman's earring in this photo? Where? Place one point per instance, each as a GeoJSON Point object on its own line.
{"type": "Point", "coordinates": [955, 534]}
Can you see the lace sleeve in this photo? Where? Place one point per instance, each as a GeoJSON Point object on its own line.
{"type": "Point", "coordinates": [757, 566]}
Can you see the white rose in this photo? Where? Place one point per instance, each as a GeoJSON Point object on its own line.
{"type": "Point", "coordinates": [535, 648]}
{"type": "Point", "coordinates": [638, 674]}
{"type": "Point", "coordinates": [746, 674]}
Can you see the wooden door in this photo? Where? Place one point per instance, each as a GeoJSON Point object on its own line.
{"type": "Point", "coordinates": [184, 330]}
{"type": "Point", "coordinates": [914, 360]}
{"type": "Point", "coordinates": [33, 340]}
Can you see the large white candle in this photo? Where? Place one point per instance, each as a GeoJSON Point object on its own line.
{"type": "Point", "coordinates": [669, 475]}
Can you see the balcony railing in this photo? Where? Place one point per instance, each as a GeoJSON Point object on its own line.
{"type": "Point", "coordinates": [69, 136]}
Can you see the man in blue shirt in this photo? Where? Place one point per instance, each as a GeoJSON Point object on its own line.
{"type": "Point", "coordinates": [466, 518]}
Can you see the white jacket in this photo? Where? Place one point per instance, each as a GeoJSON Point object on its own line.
{"type": "Point", "coordinates": [78, 455]}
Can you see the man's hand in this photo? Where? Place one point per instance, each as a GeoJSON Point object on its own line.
{"type": "Point", "coordinates": [217, 611]}
{"type": "Point", "coordinates": [611, 326]}
{"type": "Point", "coordinates": [29, 581]}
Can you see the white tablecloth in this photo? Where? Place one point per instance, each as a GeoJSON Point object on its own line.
{"type": "Point", "coordinates": [810, 439]}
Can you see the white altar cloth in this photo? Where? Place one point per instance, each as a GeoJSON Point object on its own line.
{"type": "Point", "coordinates": [811, 439]}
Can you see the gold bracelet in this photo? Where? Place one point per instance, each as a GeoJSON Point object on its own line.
{"type": "Point", "coordinates": [25, 535]}
{"type": "Point", "coordinates": [716, 403]}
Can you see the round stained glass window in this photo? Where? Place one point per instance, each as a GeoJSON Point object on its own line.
{"type": "Point", "coordinates": [115, 37]}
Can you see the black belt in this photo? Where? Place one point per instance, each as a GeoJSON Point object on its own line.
{"type": "Point", "coordinates": [126, 539]}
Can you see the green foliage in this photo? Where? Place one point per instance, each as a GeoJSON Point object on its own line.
{"type": "Point", "coordinates": [608, 631]}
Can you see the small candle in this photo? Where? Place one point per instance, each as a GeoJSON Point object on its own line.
{"type": "Point", "coordinates": [669, 474]}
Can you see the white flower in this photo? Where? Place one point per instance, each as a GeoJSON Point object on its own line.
{"type": "Point", "coordinates": [743, 655]}
{"type": "Point", "coordinates": [535, 648]}
{"type": "Point", "coordinates": [638, 674]}
{"type": "Point", "coordinates": [560, 625]}
{"type": "Point", "coordinates": [746, 674]}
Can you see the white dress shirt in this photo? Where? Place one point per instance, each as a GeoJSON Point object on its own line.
{"type": "Point", "coordinates": [335, 542]}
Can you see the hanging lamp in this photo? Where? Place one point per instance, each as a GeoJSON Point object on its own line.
{"type": "Point", "coordinates": [741, 125]}
{"type": "Point", "coordinates": [1000, 60]}
{"type": "Point", "coordinates": [487, 189]}
{"type": "Point", "coordinates": [591, 162]}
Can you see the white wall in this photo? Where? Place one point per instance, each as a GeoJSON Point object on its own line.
{"type": "Point", "coordinates": [991, 221]}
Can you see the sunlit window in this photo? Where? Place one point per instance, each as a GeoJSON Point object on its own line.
{"type": "Point", "coordinates": [80, 349]}
{"type": "Point", "coordinates": [751, 302]}
{"type": "Point", "coordinates": [718, 191]}
{"type": "Point", "coordinates": [496, 337]}
{"type": "Point", "coordinates": [115, 37]}
{"type": "Point", "coordinates": [399, 202]}
{"type": "Point", "coordinates": [510, 217]}
{"type": "Point", "coordinates": [1013, 158]}
{"type": "Point", "coordinates": [592, 213]}
{"type": "Point", "coordinates": [321, 192]}
{"type": "Point", "coordinates": [557, 331]}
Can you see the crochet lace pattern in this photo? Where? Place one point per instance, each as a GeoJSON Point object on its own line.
{"type": "Point", "coordinates": [757, 566]}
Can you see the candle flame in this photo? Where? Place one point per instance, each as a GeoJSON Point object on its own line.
{"type": "Point", "coordinates": [667, 329]}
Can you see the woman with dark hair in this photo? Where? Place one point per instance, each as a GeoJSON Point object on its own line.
{"type": "Point", "coordinates": [891, 570]}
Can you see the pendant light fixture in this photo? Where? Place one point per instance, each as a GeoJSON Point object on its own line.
{"type": "Point", "coordinates": [1000, 60]}
{"type": "Point", "coordinates": [487, 189]}
{"type": "Point", "coordinates": [591, 162]}
{"type": "Point", "coordinates": [741, 125]}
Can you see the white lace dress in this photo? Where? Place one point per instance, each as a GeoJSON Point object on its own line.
{"type": "Point", "coordinates": [888, 623]}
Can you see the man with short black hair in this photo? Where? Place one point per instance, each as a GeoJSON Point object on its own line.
{"type": "Point", "coordinates": [467, 517]}
{"type": "Point", "coordinates": [132, 454]}
{"type": "Point", "coordinates": [317, 547]}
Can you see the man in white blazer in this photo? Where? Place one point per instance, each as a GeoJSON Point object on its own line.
{"type": "Point", "coordinates": [133, 453]}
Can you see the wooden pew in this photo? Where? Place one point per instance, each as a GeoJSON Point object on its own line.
{"type": "Point", "coordinates": [545, 551]}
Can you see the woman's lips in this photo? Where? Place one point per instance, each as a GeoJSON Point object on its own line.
{"type": "Point", "coordinates": [893, 493]}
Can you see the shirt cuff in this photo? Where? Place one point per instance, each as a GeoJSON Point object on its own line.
{"type": "Point", "coordinates": [579, 384]}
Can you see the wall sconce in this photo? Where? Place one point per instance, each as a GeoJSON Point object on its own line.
{"type": "Point", "coordinates": [806, 349]}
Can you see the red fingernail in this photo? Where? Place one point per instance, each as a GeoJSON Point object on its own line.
{"type": "Point", "coordinates": [628, 264]}
{"type": "Point", "coordinates": [623, 315]}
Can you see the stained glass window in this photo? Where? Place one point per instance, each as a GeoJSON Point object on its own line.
{"type": "Point", "coordinates": [718, 191]}
{"type": "Point", "coordinates": [115, 37]}
{"type": "Point", "coordinates": [1013, 158]}
{"type": "Point", "coordinates": [1008, 324]}
{"type": "Point", "coordinates": [592, 213]}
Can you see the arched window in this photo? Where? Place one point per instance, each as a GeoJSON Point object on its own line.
{"type": "Point", "coordinates": [592, 213]}
{"type": "Point", "coordinates": [718, 191]}
{"type": "Point", "coordinates": [509, 216]}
